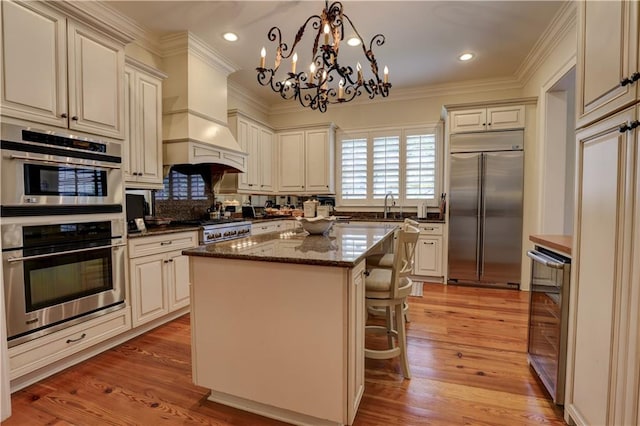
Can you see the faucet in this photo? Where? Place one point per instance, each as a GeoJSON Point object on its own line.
{"type": "Point", "coordinates": [387, 208]}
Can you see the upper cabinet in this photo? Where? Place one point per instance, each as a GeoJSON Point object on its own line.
{"type": "Point", "coordinates": [257, 141]}
{"type": "Point", "coordinates": [484, 119]}
{"type": "Point", "coordinates": [142, 160]}
{"type": "Point", "coordinates": [306, 161]}
{"type": "Point", "coordinates": [60, 72]}
{"type": "Point", "coordinates": [607, 67]}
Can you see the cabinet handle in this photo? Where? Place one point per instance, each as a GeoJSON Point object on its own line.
{"type": "Point", "coordinates": [78, 339]}
{"type": "Point", "coordinates": [366, 273]}
{"type": "Point", "coordinates": [429, 242]}
{"type": "Point", "coordinates": [429, 229]}
{"type": "Point", "coordinates": [635, 76]}
{"type": "Point", "coordinates": [625, 81]}
{"type": "Point", "coordinates": [171, 260]}
{"type": "Point", "coordinates": [166, 243]}
{"type": "Point", "coordinates": [63, 115]}
{"type": "Point", "coordinates": [74, 118]}
{"type": "Point", "coordinates": [623, 128]}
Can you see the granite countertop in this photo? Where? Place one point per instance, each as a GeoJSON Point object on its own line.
{"type": "Point", "coordinates": [344, 246]}
{"type": "Point", "coordinates": [562, 243]}
{"type": "Point", "coordinates": [161, 230]}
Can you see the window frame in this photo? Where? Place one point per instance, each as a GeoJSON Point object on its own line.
{"type": "Point", "coordinates": [402, 132]}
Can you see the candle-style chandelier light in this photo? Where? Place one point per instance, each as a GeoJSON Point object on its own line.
{"type": "Point", "coordinates": [326, 81]}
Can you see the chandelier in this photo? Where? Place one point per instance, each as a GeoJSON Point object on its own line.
{"type": "Point", "coordinates": [326, 81]}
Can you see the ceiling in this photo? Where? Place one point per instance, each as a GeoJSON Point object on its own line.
{"type": "Point", "coordinates": [423, 38]}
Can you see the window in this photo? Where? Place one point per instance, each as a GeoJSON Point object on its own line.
{"type": "Point", "coordinates": [403, 162]}
{"type": "Point", "coordinates": [178, 186]}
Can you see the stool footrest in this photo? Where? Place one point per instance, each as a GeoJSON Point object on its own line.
{"type": "Point", "coordinates": [381, 354]}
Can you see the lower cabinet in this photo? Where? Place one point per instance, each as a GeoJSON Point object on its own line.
{"type": "Point", "coordinates": [159, 278]}
{"type": "Point", "coordinates": [258, 228]}
{"type": "Point", "coordinates": [428, 257]}
{"type": "Point", "coordinates": [46, 350]}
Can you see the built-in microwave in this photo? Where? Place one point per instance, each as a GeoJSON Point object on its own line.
{"type": "Point", "coordinates": [46, 170]}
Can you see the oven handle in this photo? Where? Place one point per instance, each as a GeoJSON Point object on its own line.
{"type": "Point", "coordinates": [40, 256]}
{"type": "Point", "coordinates": [546, 261]}
{"type": "Point", "coordinates": [73, 163]}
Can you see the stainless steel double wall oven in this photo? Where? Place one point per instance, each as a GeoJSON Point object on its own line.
{"type": "Point", "coordinates": [62, 230]}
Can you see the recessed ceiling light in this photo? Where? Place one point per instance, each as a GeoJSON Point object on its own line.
{"type": "Point", "coordinates": [230, 36]}
{"type": "Point", "coordinates": [466, 56]}
{"type": "Point", "coordinates": [353, 41]}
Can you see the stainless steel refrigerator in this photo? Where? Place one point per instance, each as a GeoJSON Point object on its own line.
{"type": "Point", "coordinates": [485, 208]}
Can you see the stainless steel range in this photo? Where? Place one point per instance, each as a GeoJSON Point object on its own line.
{"type": "Point", "coordinates": [214, 231]}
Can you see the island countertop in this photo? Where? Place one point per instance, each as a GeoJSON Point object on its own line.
{"type": "Point", "coordinates": [344, 246]}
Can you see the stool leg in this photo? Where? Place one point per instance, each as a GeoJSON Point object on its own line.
{"type": "Point", "coordinates": [389, 318]}
{"type": "Point", "coordinates": [402, 341]}
{"type": "Point", "coordinates": [405, 309]}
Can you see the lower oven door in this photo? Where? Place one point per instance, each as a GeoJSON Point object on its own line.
{"type": "Point", "coordinates": [49, 291]}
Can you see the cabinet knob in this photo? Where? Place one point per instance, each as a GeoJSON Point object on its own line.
{"type": "Point", "coordinates": [63, 115]}
{"type": "Point", "coordinates": [74, 118]}
{"type": "Point", "coordinates": [484, 124]}
{"type": "Point", "coordinates": [165, 261]}
{"type": "Point", "coordinates": [623, 128]}
{"type": "Point", "coordinates": [634, 124]}
{"type": "Point", "coordinates": [625, 81]}
{"type": "Point", "coordinates": [635, 76]}
{"type": "Point", "coordinates": [489, 124]}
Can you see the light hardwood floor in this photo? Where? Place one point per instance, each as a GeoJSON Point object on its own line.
{"type": "Point", "coordinates": [466, 349]}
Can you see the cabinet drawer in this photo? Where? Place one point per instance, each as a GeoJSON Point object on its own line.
{"type": "Point", "coordinates": [41, 352]}
{"type": "Point", "coordinates": [431, 228]}
{"type": "Point", "coordinates": [144, 246]}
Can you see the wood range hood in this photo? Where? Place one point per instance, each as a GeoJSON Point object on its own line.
{"type": "Point", "coordinates": [194, 119]}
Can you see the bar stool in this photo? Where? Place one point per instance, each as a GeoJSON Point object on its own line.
{"type": "Point", "coordinates": [388, 289]}
{"type": "Point", "coordinates": [385, 260]}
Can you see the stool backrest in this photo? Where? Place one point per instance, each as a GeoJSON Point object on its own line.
{"type": "Point", "coordinates": [403, 258]}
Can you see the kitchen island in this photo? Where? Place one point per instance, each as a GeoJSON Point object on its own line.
{"type": "Point", "coordinates": [278, 321]}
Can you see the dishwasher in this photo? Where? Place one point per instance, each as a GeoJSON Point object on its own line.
{"type": "Point", "coordinates": [548, 319]}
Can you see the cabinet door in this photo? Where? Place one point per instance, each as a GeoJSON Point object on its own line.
{"type": "Point", "coordinates": [317, 162]}
{"type": "Point", "coordinates": [599, 285]}
{"type": "Point", "coordinates": [507, 117]}
{"type": "Point", "coordinates": [471, 120]}
{"type": "Point", "coordinates": [255, 159]}
{"type": "Point", "coordinates": [357, 317]}
{"type": "Point", "coordinates": [243, 139]}
{"type": "Point", "coordinates": [266, 161]}
{"type": "Point", "coordinates": [96, 91]}
{"type": "Point", "coordinates": [428, 257]}
{"type": "Point", "coordinates": [292, 163]}
{"type": "Point", "coordinates": [148, 288]}
{"type": "Point", "coordinates": [605, 58]}
{"type": "Point", "coordinates": [129, 145]}
{"type": "Point", "coordinates": [34, 64]}
{"type": "Point", "coordinates": [179, 283]}
{"type": "Point", "coordinates": [149, 129]}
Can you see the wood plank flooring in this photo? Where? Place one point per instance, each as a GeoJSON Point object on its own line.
{"type": "Point", "coordinates": [466, 349]}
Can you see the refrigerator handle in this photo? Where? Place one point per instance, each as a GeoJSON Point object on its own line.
{"type": "Point", "coordinates": [483, 213]}
{"type": "Point", "coordinates": [478, 215]}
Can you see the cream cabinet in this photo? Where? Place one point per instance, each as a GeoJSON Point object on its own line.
{"type": "Point", "coordinates": [46, 350]}
{"type": "Point", "coordinates": [159, 274]}
{"type": "Point", "coordinates": [428, 256]}
{"type": "Point", "coordinates": [263, 227]}
{"type": "Point", "coordinates": [607, 69]}
{"type": "Point", "coordinates": [603, 349]}
{"type": "Point", "coordinates": [306, 161]}
{"type": "Point", "coordinates": [61, 72]}
{"type": "Point", "coordinates": [257, 141]}
{"type": "Point", "coordinates": [142, 160]}
{"type": "Point", "coordinates": [486, 119]}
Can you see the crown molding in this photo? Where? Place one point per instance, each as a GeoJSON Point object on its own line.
{"type": "Point", "coordinates": [563, 22]}
{"type": "Point", "coordinates": [97, 15]}
{"type": "Point", "coordinates": [239, 92]}
{"type": "Point", "coordinates": [144, 67]}
{"type": "Point", "coordinates": [186, 42]}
